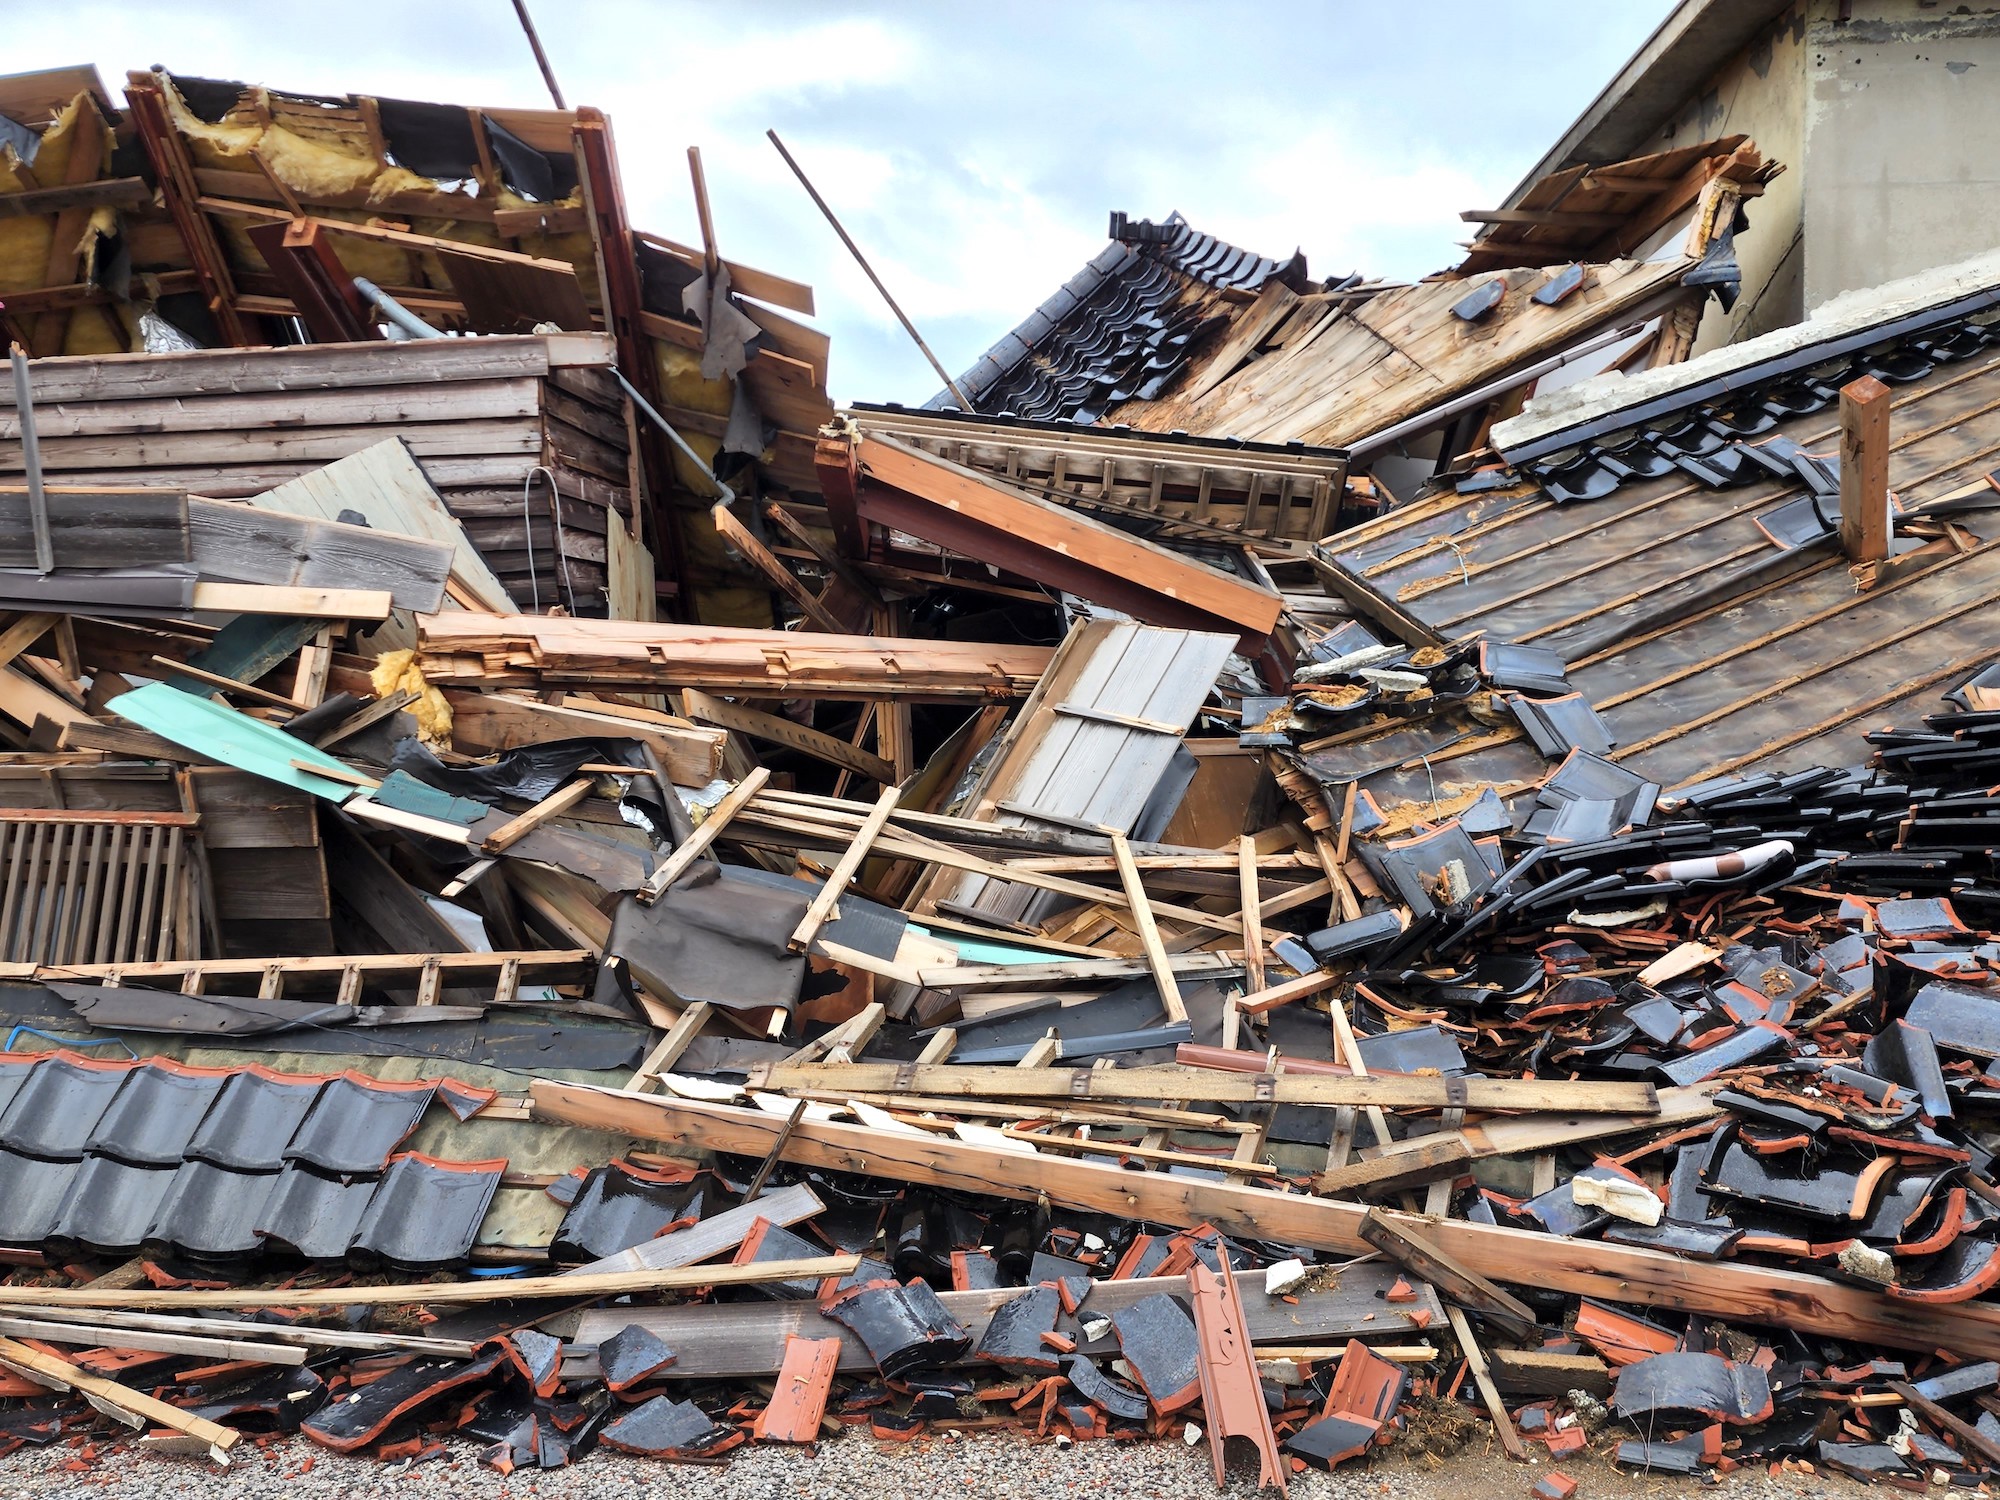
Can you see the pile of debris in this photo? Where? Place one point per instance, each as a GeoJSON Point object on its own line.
{"type": "Point", "coordinates": [1109, 932]}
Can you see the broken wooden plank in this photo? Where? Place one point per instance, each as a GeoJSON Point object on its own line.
{"type": "Point", "coordinates": [843, 871]}
{"type": "Point", "coordinates": [697, 843]}
{"type": "Point", "coordinates": [1427, 1262]}
{"type": "Point", "coordinates": [1592, 1268]}
{"type": "Point", "coordinates": [596, 1284]}
{"type": "Point", "coordinates": [1391, 1091]}
{"type": "Point", "coordinates": [1475, 1359]}
{"type": "Point", "coordinates": [143, 1407]}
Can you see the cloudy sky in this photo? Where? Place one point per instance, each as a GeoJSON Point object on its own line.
{"type": "Point", "coordinates": [974, 151]}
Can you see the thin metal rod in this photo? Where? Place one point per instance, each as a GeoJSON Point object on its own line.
{"type": "Point", "coordinates": [727, 495]}
{"type": "Point", "coordinates": [31, 460]}
{"type": "Point", "coordinates": [541, 57]}
{"type": "Point", "coordinates": [862, 261]}
{"type": "Point", "coordinates": [395, 312]}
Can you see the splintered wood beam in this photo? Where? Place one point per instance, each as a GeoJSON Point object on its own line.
{"type": "Point", "coordinates": [1496, 1407]}
{"type": "Point", "coordinates": [1149, 932]}
{"type": "Point", "coordinates": [1427, 1262]}
{"type": "Point", "coordinates": [740, 540]}
{"type": "Point", "coordinates": [1195, 1084]}
{"type": "Point", "coordinates": [1253, 934]}
{"type": "Point", "coordinates": [1864, 470]}
{"type": "Point", "coordinates": [142, 1407]}
{"type": "Point", "coordinates": [843, 871]}
{"type": "Point", "coordinates": [680, 1036]}
{"type": "Point", "coordinates": [577, 1287]}
{"type": "Point", "coordinates": [706, 708]}
{"type": "Point", "coordinates": [677, 863]}
{"type": "Point", "coordinates": [1738, 1290]}
{"type": "Point", "coordinates": [182, 196]}
{"type": "Point", "coordinates": [556, 803]}
{"type": "Point", "coordinates": [978, 515]}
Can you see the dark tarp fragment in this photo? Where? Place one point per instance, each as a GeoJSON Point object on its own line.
{"type": "Point", "coordinates": [714, 937]}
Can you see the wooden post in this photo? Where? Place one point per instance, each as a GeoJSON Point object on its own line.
{"type": "Point", "coordinates": [1864, 470]}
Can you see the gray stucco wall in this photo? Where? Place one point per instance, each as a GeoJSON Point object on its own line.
{"type": "Point", "coordinates": [1902, 153]}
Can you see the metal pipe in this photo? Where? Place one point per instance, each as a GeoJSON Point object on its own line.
{"type": "Point", "coordinates": [541, 57]}
{"type": "Point", "coordinates": [31, 461]}
{"type": "Point", "coordinates": [395, 312]}
{"type": "Point", "coordinates": [862, 260]}
{"type": "Point", "coordinates": [723, 491]}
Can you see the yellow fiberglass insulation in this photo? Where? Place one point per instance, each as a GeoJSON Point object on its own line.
{"type": "Point", "coordinates": [25, 242]}
{"type": "Point", "coordinates": [396, 671]}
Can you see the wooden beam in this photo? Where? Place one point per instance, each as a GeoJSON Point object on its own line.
{"type": "Point", "coordinates": [1253, 935]}
{"type": "Point", "coordinates": [443, 1293]}
{"type": "Point", "coordinates": [1149, 932]}
{"type": "Point", "coordinates": [677, 863]}
{"type": "Point", "coordinates": [1620, 1273]}
{"type": "Point", "coordinates": [556, 803]}
{"type": "Point", "coordinates": [143, 1407]}
{"type": "Point", "coordinates": [1864, 470]}
{"type": "Point", "coordinates": [182, 195]}
{"type": "Point", "coordinates": [978, 515]}
{"type": "Point", "coordinates": [843, 871]}
{"type": "Point", "coordinates": [1475, 1359]}
{"type": "Point", "coordinates": [1213, 1085]}
{"type": "Point", "coordinates": [706, 708]}
{"type": "Point", "coordinates": [1409, 1249]}
{"type": "Point", "coordinates": [84, 1336]}
{"type": "Point", "coordinates": [680, 1036]}
{"type": "Point", "coordinates": [113, 192]}
{"type": "Point", "coordinates": [1553, 217]}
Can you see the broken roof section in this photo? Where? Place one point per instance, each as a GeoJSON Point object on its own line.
{"type": "Point", "coordinates": [1123, 327]}
{"type": "Point", "coordinates": [209, 214]}
{"type": "Point", "coordinates": [1672, 539]}
{"type": "Point", "coordinates": [1171, 332]}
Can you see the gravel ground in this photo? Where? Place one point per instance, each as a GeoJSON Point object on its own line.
{"type": "Point", "coordinates": [853, 1467]}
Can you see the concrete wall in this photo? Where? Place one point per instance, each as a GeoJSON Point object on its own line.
{"type": "Point", "coordinates": [1761, 94]}
{"type": "Point", "coordinates": [1902, 170]}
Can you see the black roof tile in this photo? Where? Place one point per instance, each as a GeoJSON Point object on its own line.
{"type": "Point", "coordinates": [211, 1213]}
{"type": "Point", "coordinates": [426, 1213]}
{"type": "Point", "coordinates": [255, 1119]}
{"type": "Point", "coordinates": [358, 1121]}
{"type": "Point", "coordinates": [54, 1112]}
{"type": "Point", "coordinates": [1120, 327]}
{"type": "Point", "coordinates": [108, 1208]}
{"type": "Point", "coordinates": [32, 1190]}
{"type": "Point", "coordinates": [153, 1117]}
{"type": "Point", "coordinates": [315, 1215]}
